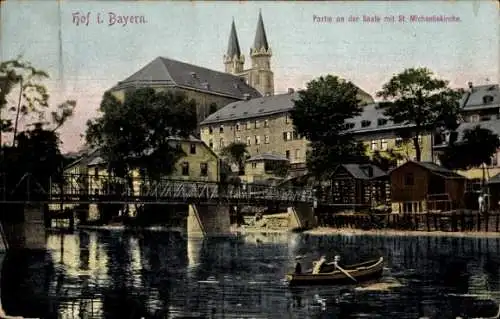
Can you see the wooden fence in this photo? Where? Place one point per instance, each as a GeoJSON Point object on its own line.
{"type": "Point", "coordinates": [454, 221]}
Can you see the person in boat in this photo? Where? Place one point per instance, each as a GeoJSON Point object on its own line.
{"type": "Point", "coordinates": [318, 265]}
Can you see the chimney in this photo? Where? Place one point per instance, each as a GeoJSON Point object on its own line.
{"type": "Point", "coordinates": [290, 90]}
{"type": "Point", "coordinates": [470, 85]}
{"type": "Point", "coordinates": [246, 96]}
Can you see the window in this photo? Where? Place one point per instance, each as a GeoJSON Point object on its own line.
{"type": "Point", "coordinates": [287, 154]}
{"type": "Point", "coordinates": [297, 154]}
{"type": "Point", "coordinates": [487, 99]}
{"type": "Point", "coordinates": [257, 139]}
{"type": "Point", "coordinates": [249, 141]}
{"type": "Point", "coordinates": [96, 172]}
{"type": "Point", "coordinates": [266, 139]}
{"type": "Point", "coordinates": [237, 126]}
{"type": "Point", "coordinates": [238, 139]}
{"type": "Point", "coordinates": [192, 148]}
{"type": "Point", "coordinates": [287, 136]}
{"type": "Point", "coordinates": [383, 145]}
{"type": "Point", "coordinates": [221, 129]}
{"type": "Point", "coordinates": [221, 143]}
{"type": "Point", "coordinates": [185, 169]}
{"type": "Point", "coordinates": [257, 124]}
{"type": "Point", "coordinates": [295, 135]}
{"type": "Point", "coordinates": [287, 119]}
{"type": "Point", "coordinates": [381, 122]}
{"type": "Point", "coordinates": [409, 180]}
{"type": "Point", "coordinates": [254, 165]}
{"type": "Point", "coordinates": [365, 123]}
{"type": "Point", "coordinates": [210, 130]}
{"type": "Point", "coordinates": [203, 169]}
{"type": "Point", "coordinates": [211, 143]}
{"type": "Point", "coordinates": [474, 118]}
{"type": "Point", "coordinates": [249, 125]}
{"type": "Point", "coordinates": [266, 123]}
{"type": "Point", "coordinates": [399, 141]}
{"type": "Point", "coordinates": [374, 145]}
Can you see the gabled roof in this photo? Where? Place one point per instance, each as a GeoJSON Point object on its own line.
{"type": "Point", "coordinates": [269, 105]}
{"type": "Point", "coordinates": [360, 171]}
{"type": "Point", "coordinates": [433, 168]}
{"type": "Point", "coordinates": [267, 157]}
{"type": "Point", "coordinates": [476, 98]}
{"type": "Point", "coordinates": [262, 106]}
{"type": "Point", "coordinates": [172, 73]}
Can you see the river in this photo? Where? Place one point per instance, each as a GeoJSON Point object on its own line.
{"type": "Point", "coordinates": [112, 274]}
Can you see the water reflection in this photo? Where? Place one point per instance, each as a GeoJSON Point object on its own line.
{"type": "Point", "coordinates": [159, 274]}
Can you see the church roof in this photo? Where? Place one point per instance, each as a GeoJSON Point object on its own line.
{"type": "Point", "coordinates": [172, 73]}
{"type": "Point", "coordinates": [260, 35]}
{"type": "Point", "coordinates": [233, 47]}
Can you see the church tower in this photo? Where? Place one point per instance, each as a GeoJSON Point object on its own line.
{"type": "Point", "coordinates": [233, 59]}
{"type": "Point", "coordinates": [260, 75]}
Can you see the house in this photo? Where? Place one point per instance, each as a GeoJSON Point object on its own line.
{"type": "Point", "coordinates": [264, 167]}
{"type": "Point", "coordinates": [360, 185]}
{"type": "Point", "coordinates": [425, 186]}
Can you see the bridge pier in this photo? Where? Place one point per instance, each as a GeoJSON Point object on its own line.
{"type": "Point", "coordinates": [208, 220]}
{"type": "Point", "coordinates": [301, 216]}
{"type": "Point", "coordinates": [25, 228]}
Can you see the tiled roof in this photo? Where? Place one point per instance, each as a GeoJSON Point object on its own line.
{"type": "Point", "coordinates": [492, 125]}
{"type": "Point", "coordinates": [360, 171]}
{"type": "Point", "coordinates": [168, 72]}
{"type": "Point", "coordinates": [257, 107]}
{"type": "Point", "coordinates": [482, 96]}
{"type": "Point", "coordinates": [268, 157]}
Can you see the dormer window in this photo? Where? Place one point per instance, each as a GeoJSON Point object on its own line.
{"type": "Point", "coordinates": [365, 123]}
{"type": "Point", "coordinates": [381, 122]}
{"type": "Point", "coordinates": [487, 99]}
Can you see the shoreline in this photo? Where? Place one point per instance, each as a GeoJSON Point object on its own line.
{"type": "Point", "coordinates": [318, 231]}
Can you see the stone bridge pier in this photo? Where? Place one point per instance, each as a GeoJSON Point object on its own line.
{"type": "Point", "coordinates": [208, 220]}
{"type": "Point", "coordinates": [24, 226]}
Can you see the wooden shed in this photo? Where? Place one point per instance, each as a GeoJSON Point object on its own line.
{"type": "Point", "coordinates": [362, 185]}
{"type": "Point", "coordinates": [425, 186]}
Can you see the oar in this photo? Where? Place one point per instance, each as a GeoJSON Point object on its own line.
{"type": "Point", "coordinates": [344, 271]}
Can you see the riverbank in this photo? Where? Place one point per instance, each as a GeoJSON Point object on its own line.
{"type": "Point", "coordinates": [327, 231]}
{"type": "Point", "coordinates": [319, 231]}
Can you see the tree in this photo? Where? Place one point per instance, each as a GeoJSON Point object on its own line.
{"type": "Point", "coordinates": [320, 115]}
{"type": "Point", "coordinates": [35, 149]}
{"type": "Point", "coordinates": [476, 148]}
{"type": "Point", "coordinates": [423, 103]}
{"type": "Point", "coordinates": [236, 153]}
{"type": "Point", "coordinates": [386, 160]}
{"type": "Point", "coordinates": [141, 131]}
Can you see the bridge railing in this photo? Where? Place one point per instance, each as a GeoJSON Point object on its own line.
{"type": "Point", "coordinates": [75, 186]}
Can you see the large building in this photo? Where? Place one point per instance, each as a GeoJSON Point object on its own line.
{"type": "Point", "coordinates": [480, 106]}
{"type": "Point", "coordinates": [263, 123]}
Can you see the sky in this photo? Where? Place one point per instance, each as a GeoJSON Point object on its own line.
{"type": "Point", "coordinates": [87, 59]}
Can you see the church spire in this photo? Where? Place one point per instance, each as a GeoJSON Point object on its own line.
{"type": "Point", "coordinates": [233, 47]}
{"type": "Point", "coordinates": [233, 59]}
{"type": "Point", "coordinates": [260, 36]}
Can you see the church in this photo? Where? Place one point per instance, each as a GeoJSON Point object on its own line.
{"type": "Point", "coordinates": [211, 89]}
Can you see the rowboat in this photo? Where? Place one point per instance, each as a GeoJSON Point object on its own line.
{"type": "Point", "coordinates": [330, 274]}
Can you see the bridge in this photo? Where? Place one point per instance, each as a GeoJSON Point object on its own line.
{"type": "Point", "coordinates": [103, 189]}
{"type": "Point", "coordinates": [26, 200]}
